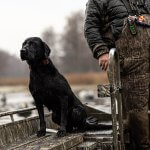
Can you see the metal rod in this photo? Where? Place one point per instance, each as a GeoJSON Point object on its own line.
{"type": "Point", "coordinates": [114, 79]}
{"type": "Point", "coordinates": [9, 113]}
{"type": "Point", "coordinates": [119, 101]}
{"type": "Point", "coordinates": [114, 121]}
{"type": "Point", "coordinates": [111, 78]}
{"type": "Point", "coordinates": [12, 118]}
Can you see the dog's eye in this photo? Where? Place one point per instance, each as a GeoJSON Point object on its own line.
{"type": "Point", "coordinates": [30, 44]}
{"type": "Point", "coordinates": [24, 44]}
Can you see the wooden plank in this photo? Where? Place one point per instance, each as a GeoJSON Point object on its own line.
{"type": "Point", "coordinates": [98, 133]}
{"type": "Point", "coordinates": [91, 109]}
{"type": "Point", "coordinates": [54, 143]}
{"type": "Point", "coordinates": [21, 130]}
{"type": "Point", "coordinates": [87, 146]}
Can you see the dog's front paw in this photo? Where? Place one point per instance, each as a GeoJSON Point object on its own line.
{"type": "Point", "coordinates": [61, 132]}
{"type": "Point", "coordinates": [41, 133]}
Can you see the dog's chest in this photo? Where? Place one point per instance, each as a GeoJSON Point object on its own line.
{"type": "Point", "coordinates": [49, 90]}
{"type": "Point", "coordinates": [46, 93]}
{"type": "Point", "coordinates": [38, 82]}
{"type": "Point", "coordinates": [47, 98]}
{"type": "Point", "coordinates": [45, 83]}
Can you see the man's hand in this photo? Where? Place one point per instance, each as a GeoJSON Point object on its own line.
{"type": "Point", "coordinates": [104, 61]}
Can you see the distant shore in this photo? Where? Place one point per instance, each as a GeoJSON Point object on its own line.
{"type": "Point", "coordinates": [73, 78]}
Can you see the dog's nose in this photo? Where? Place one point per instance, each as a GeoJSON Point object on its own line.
{"type": "Point", "coordinates": [23, 51]}
{"type": "Point", "coordinates": [23, 54]}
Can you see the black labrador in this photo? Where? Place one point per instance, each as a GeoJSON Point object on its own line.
{"type": "Point", "coordinates": [48, 87]}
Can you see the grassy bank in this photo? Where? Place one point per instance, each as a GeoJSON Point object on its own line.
{"type": "Point", "coordinates": [74, 79]}
{"type": "Point", "coordinates": [87, 78]}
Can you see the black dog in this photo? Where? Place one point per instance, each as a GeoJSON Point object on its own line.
{"type": "Point", "coordinates": [48, 87]}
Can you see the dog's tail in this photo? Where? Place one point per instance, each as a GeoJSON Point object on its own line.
{"type": "Point", "coordinates": [93, 124]}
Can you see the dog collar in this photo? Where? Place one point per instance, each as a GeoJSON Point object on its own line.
{"type": "Point", "coordinates": [45, 61]}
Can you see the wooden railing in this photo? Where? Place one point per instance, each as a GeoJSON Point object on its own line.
{"type": "Point", "coordinates": [11, 113]}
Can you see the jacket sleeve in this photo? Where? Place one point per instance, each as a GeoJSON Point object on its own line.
{"type": "Point", "coordinates": [93, 27]}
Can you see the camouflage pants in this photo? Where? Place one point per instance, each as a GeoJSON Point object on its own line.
{"type": "Point", "coordinates": [134, 51]}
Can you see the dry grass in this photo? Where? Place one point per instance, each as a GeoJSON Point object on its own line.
{"type": "Point", "coordinates": [87, 78]}
{"type": "Point", "coordinates": [13, 81]}
{"type": "Point", "coordinates": [74, 79]}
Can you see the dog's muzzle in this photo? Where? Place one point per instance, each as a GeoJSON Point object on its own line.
{"type": "Point", "coordinates": [24, 54]}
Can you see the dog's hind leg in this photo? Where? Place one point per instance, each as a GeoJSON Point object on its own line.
{"type": "Point", "coordinates": [78, 117]}
{"type": "Point", "coordinates": [83, 123]}
{"type": "Point", "coordinates": [56, 118]}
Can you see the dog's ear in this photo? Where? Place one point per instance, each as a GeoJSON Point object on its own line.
{"type": "Point", "coordinates": [46, 49]}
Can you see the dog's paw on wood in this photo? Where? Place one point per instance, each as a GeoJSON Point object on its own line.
{"type": "Point", "coordinates": [41, 133]}
{"type": "Point", "coordinates": [61, 133]}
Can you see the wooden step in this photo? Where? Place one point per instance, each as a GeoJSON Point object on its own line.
{"type": "Point", "coordinates": [49, 142]}
{"type": "Point", "coordinates": [102, 133]}
{"type": "Point", "coordinates": [87, 146]}
{"type": "Point", "coordinates": [99, 140]}
{"type": "Point", "coordinates": [102, 138]}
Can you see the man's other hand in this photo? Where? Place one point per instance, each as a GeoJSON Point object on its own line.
{"type": "Point", "coordinates": [104, 61]}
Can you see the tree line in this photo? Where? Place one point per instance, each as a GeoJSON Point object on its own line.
{"type": "Point", "coordinates": [11, 66]}
{"type": "Point", "coordinates": [70, 52]}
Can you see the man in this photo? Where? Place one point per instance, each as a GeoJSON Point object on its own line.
{"type": "Point", "coordinates": [108, 24]}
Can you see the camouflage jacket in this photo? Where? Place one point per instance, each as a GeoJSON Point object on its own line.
{"type": "Point", "coordinates": [104, 23]}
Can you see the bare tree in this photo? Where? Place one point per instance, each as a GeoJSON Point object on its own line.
{"type": "Point", "coordinates": [78, 57]}
{"type": "Point", "coordinates": [70, 53]}
{"type": "Point", "coordinates": [11, 66]}
{"type": "Point", "coordinates": [3, 61]}
{"type": "Point", "coordinates": [51, 38]}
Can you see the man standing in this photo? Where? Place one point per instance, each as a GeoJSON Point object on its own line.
{"type": "Point", "coordinates": [112, 23]}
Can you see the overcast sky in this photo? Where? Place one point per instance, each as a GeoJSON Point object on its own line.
{"type": "Point", "coordinates": [20, 19]}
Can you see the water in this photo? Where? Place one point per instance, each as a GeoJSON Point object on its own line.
{"type": "Point", "coordinates": [15, 101]}
{"type": "Point", "coordinates": [18, 99]}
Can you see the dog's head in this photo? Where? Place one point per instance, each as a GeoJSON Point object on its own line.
{"type": "Point", "coordinates": [34, 49]}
